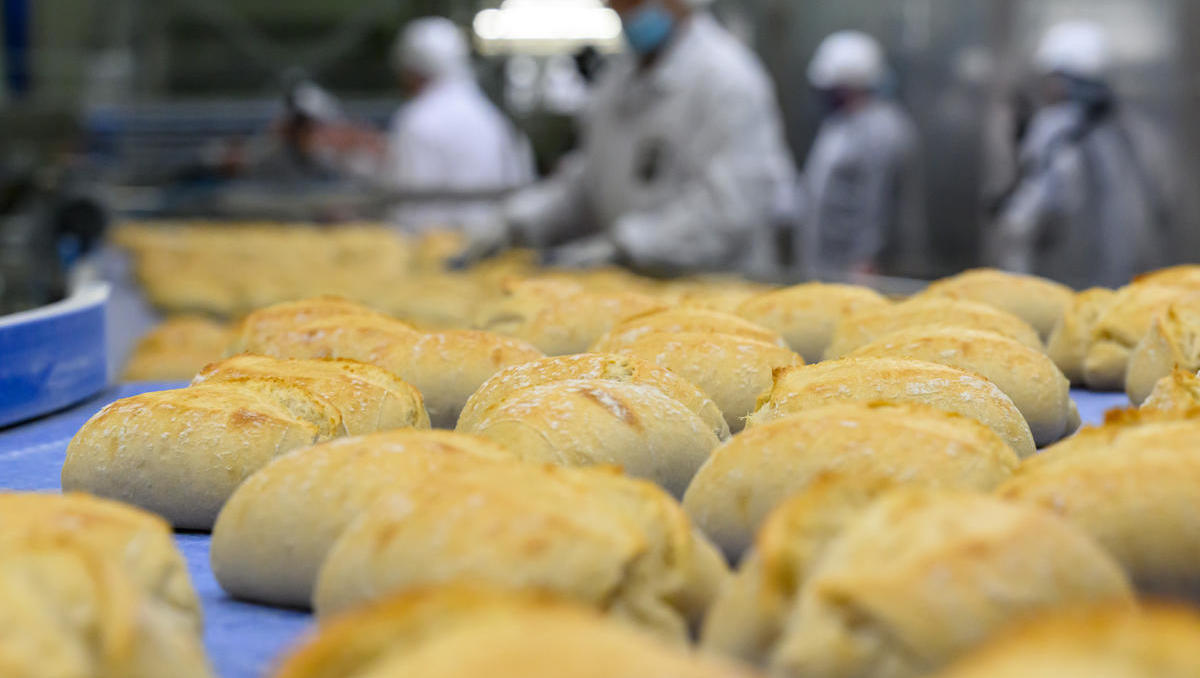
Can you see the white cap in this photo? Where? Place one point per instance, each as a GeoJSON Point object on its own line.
{"type": "Point", "coordinates": [1076, 48]}
{"type": "Point", "coordinates": [847, 59]}
{"type": "Point", "coordinates": [433, 47]}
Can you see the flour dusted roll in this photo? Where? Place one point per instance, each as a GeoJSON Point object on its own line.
{"type": "Point", "coordinates": [756, 471]}
{"type": "Point", "coordinates": [603, 423]}
{"type": "Point", "coordinates": [690, 320]}
{"type": "Point", "coordinates": [619, 545]}
{"type": "Point", "coordinates": [275, 531]}
{"type": "Point", "coordinates": [1120, 329]}
{"type": "Point", "coordinates": [462, 630]}
{"type": "Point", "coordinates": [590, 366]}
{"type": "Point", "coordinates": [366, 398]}
{"type": "Point", "coordinates": [922, 576]}
{"type": "Point", "coordinates": [1113, 641]}
{"type": "Point", "coordinates": [138, 543]}
{"type": "Point", "coordinates": [868, 380]}
{"type": "Point", "coordinates": [1172, 342]}
{"type": "Point", "coordinates": [733, 371]}
{"type": "Point", "coordinates": [1036, 386]}
{"type": "Point", "coordinates": [181, 453]}
{"type": "Point", "coordinates": [177, 349]}
{"type": "Point", "coordinates": [1134, 486]}
{"type": "Point", "coordinates": [265, 325]}
{"type": "Point", "coordinates": [1178, 391]}
{"type": "Point", "coordinates": [864, 327]}
{"type": "Point", "coordinates": [1072, 336]}
{"type": "Point", "coordinates": [807, 315]}
{"type": "Point", "coordinates": [1037, 301]}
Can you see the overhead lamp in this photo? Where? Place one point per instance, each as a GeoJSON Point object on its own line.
{"type": "Point", "coordinates": [546, 27]}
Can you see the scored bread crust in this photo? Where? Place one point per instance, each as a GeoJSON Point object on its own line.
{"type": "Point", "coordinates": [1036, 386]}
{"type": "Point", "coordinates": [1038, 301]}
{"type": "Point", "coordinates": [1072, 336]}
{"type": "Point", "coordinates": [1178, 391]}
{"type": "Point", "coordinates": [862, 328]}
{"type": "Point", "coordinates": [181, 453]}
{"type": "Point", "coordinates": [275, 531]}
{"type": "Point", "coordinates": [1121, 327]}
{"type": "Point", "coordinates": [1173, 342]}
{"type": "Point", "coordinates": [681, 320]}
{"type": "Point", "coordinates": [900, 381]}
{"type": "Point", "coordinates": [806, 315]}
{"type": "Point", "coordinates": [266, 325]}
{"type": "Point", "coordinates": [624, 369]}
{"type": "Point", "coordinates": [758, 470]}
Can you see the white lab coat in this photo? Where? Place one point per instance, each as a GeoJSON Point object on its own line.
{"type": "Point", "coordinates": [683, 166]}
{"type": "Point", "coordinates": [451, 139]}
{"type": "Point", "coordinates": [1091, 205]}
{"type": "Point", "coordinates": [863, 191]}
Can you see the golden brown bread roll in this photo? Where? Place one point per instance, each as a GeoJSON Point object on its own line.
{"type": "Point", "coordinates": [266, 324]}
{"type": "Point", "coordinates": [177, 349]}
{"type": "Point", "coordinates": [1038, 301]}
{"type": "Point", "coordinates": [603, 423]}
{"type": "Point", "coordinates": [1134, 486]}
{"type": "Point", "coordinates": [1072, 336]}
{"type": "Point", "coordinates": [1036, 386]}
{"type": "Point", "coordinates": [275, 531]}
{"type": "Point", "coordinates": [756, 471]}
{"type": "Point", "coordinates": [1187, 275]}
{"type": "Point", "coordinates": [590, 366]}
{"type": "Point", "coordinates": [1172, 342]}
{"type": "Point", "coordinates": [807, 315]}
{"type": "Point", "coordinates": [138, 543]}
{"type": "Point", "coordinates": [1106, 641]}
{"type": "Point", "coordinates": [561, 318]}
{"type": "Point", "coordinates": [68, 610]}
{"type": "Point", "coordinates": [1177, 391]}
{"type": "Point", "coordinates": [681, 320]}
{"type": "Point", "coordinates": [181, 453]}
{"type": "Point", "coordinates": [733, 371]}
{"type": "Point", "coordinates": [364, 397]}
{"type": "Point", "coordinates": [864, 380]}
{"type": "Point", "coordinates": [722, 293]}
{"type": "Point", "coordinates": [862, 328]}
{"type": "Point", "coordinates": [1121, 327]}
{"type": "Point", "coordinates": [466, 630]}
{"type": "Point", "coordinates": [922, 576]}
{"type": "Point", "coordinates": [619, 545]}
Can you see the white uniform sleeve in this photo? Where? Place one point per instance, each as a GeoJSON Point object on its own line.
{"type": "Point", "coordinates": [412, 161]}
{"type": "Point", "coordinates": [553, 210]}
{"type": "Point", "coordinates": [1050, 189]}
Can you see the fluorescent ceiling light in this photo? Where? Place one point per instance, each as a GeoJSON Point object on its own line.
{"type": "Point", "coordinates": [547, 27]}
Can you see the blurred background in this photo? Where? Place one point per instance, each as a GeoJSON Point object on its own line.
{"type": "Point", "coordinates": [143, 104]}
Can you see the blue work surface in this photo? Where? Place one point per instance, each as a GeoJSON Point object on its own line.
{"type": "Point", "coordinates": [243, 640]}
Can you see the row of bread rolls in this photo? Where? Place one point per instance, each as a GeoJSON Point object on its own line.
{"type": "Point", "coordinates": [93, 589]}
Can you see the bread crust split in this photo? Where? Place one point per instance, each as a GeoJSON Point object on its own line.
{"type": "Point", "coordinates": [807, 315]}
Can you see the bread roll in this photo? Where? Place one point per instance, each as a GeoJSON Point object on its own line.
{"type": "Point", "coordinates": [460, 630]}
{"type": "Point", "coordinates": [1036, 386]}
{"type": "Point", "coordinates": [138, 543]}
{"type": "Point", "coordinates": [1173, 341]}
{"type": "Point", "coordinates": [561, 319]}
{"type": "Point", "coordinates": [1109, 641]}
{"type": "Point", "coordinates": [1180, 390]}
{"type": "Point", "coordinates": [868, 380]}
{"type": "Point", "coordinates": [265, 325]}
{"type": "Point", "coordinates": [862, 328]}
{"type": "Point", "coordinates": [691, 320]}
{"type": "Point", "coordinates": [733, 371]}
{"type": "Point", "coordinates": [921, 576]}
{"type": "Point", "coordinates": [1072, 336]}
{"type": "Point", "coordinates": [807, 315]}
{"type": "Point", "coordinates": [1037, 301]}
{"type": "Point", "coordinates": [181, 453]}
{"type": "Point", "coordinates": [366, 398]}
{"type": "Point", "coordinates": [619, 545]}
{"type": "Point", "coordinates": [753, 473]}
{"type": "Point", "coordinates": [603, 423]}
{"type": "Point", "coordinates": [1119, 330]}
{"type": "Point", "coordinates": [714, 293]}
{"type": "Point", "coordinates": [1135, 489]}
{"type": "Point", "coordinates": [1186, 276]}
{"type": "Point", "coordinates": [617, 368]}
{"type": "Point", "coordinates": [275, 531]}
{"type": "Point", "coordinates": [67, 610]}
{"type": "Point", "coordinates": [177, 349]}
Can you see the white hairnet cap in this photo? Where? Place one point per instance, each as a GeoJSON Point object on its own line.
{"type": "Point", "coordinates": [847, 59]}
{"type": "Point", "coordinates": [433, 47]}
{"type": "Point", "coordinates": [1076, 48]}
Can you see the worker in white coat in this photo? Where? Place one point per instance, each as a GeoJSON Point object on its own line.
{"type": "Point", "coordinates": [1091, 203]}
{"type": "Point", "coordinates": [862, 190]}
{"type": "Point", "coordinates": [450, 152]}
{"type": "Point", "coordinates": [683, 165]}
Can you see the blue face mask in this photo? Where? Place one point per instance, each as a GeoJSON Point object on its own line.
{"type": "Point", "coordinates": [648, 27]}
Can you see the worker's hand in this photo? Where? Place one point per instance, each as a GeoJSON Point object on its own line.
{"type": "Point", "coordinates": [483, 242]}
{"type": "Point", "coordinates": [587, 253]}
